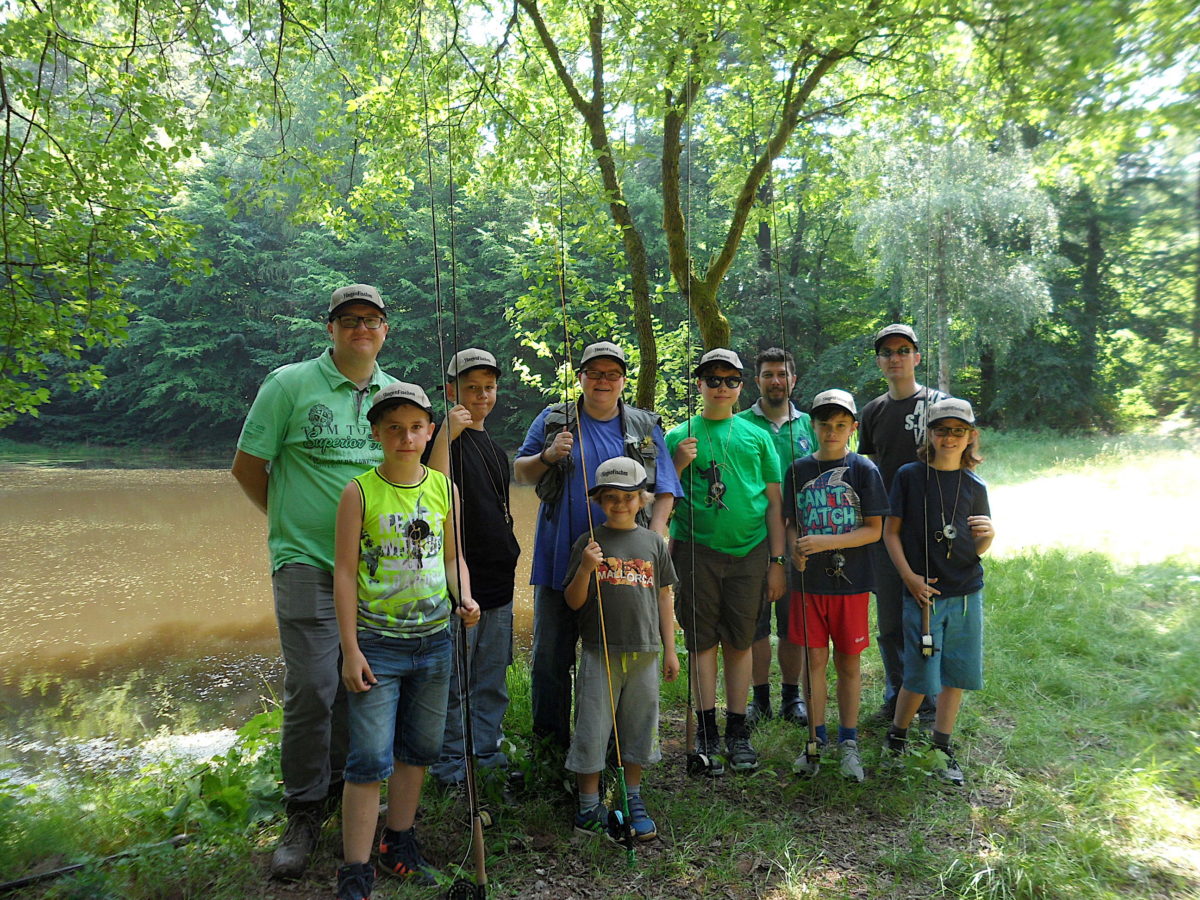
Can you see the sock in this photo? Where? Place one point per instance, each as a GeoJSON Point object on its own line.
{"type": "Point", "coordinates": [735, 725]}
{"type": "Point", "coordinates": [633, 790]}
{"type": "Point", "coordinates": [847, 734]}
{"type": "Point", "coordinates": [706, 721]}
{"type": "Point", "coordinates": [588, 801]}
{"type": "Point", "coordinates": [762, 695]}
{"type": "Point", "coordinates": [822, 734]}
{"type": "Point", "coordinates": [789, 692]}
{"type": "Point", "coordinates": [941, 739]}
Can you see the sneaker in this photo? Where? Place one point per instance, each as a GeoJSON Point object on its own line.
{"type": "Point", "coordinates": [951, 773]}
{"type": "Point", "coordinates": [851, 762]}
{"type": "Point", "coordinates": [595, 822]}
{"type": "Point", "coordinates": [640, 821]}
{"type": "Point", "coordinates": [756, 713]}
{"type": "Point", "coordinates": [795, 711]}
{"type": "Point", "coordinates": [706, 760]}
{"type": "Point", "coordinates": [399, 854]}
{"type": "Point", "coordinates": [742, 757]}
{"type": "Point", "coordinates": [355, 881]}
{"type": "Point", "coordinates": [290, 858]}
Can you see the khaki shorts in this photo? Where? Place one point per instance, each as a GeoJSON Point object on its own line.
{"type": "Point", "coordinates": [718, 597]}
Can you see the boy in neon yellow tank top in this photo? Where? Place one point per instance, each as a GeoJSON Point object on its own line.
{"type": "Point", "coordinates": [395, 564]}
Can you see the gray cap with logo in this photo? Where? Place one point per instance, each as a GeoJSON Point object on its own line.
{"type": "Point", "coordinates": [393, 395]}
{"type": "Point", "coordinates": [355, 293]}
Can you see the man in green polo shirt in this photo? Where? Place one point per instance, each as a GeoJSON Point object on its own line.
{"type": "Point", "coordinates": [791, 432]}
{"type": "Point", "coordinates": [305, 437]}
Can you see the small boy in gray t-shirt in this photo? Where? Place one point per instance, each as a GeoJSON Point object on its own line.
{"type": "Point", "coordinates": [619, 578]}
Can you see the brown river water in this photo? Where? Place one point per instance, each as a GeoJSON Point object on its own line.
{"type": "Point", "coordinates": [153, 578]}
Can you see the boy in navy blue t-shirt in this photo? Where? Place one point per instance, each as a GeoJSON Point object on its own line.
{"type": "Point", "coordinates": [834, 504]}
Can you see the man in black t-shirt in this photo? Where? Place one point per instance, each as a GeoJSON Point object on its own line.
{"type": "Point", "coordinates": [892, 426]}
{"type": "Point", "coordinates": [479, 467]}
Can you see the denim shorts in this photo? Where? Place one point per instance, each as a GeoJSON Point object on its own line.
{"type": "Point", "coordinates": [956, 624]}
{"type": "Point", "coordinates": [403, 716]}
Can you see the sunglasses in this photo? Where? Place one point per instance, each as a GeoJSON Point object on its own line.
{"type": "Point", "coordinates": [730, 381]}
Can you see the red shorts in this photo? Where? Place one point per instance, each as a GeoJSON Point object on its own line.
{"type": "Point", "coordinates": [842, 617]}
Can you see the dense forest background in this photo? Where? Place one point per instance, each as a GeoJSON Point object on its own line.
{"type": "Point", "coordinates": [182, 186]}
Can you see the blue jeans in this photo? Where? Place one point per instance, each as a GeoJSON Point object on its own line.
{"type": "Point", "coordinates": [403, 715]}
{"type": "Point", "coordinates": [555, 637]}
{"type": "Point", "coordinates": [489, 654]}
{"type": "Point", "coordinates": [314, 735]}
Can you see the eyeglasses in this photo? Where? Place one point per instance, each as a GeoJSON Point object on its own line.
{"type": "Point", "coordinates": [955, 430]}
{"type": "Point", "coordinates": [598, 375]}
{"type": "Point", "coordinates": [886, 353]}
{"type": "Point", "coordinates": [730, 381]}
{"type": "Point", "coordinates": [351, 322]}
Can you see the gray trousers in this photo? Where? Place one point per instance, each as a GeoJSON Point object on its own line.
{"type": "Point", "coordinates": [489, 654]}
{"type": "Point", "coordinates": [315, 736]}
{"type": "Point", "coordinates": [889, 615]}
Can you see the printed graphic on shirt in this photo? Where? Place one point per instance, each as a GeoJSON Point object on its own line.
{"type": "Point", "coordinates": [914, 422]}
{"type": "Point", "coordinates": [828, 504]}
{"type": "Point", "coordinates": [408, 543]}
{"type": "Point", "coordinates": [632, 572]}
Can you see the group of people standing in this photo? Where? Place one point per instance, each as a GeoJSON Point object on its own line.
{"type": "Point", "coordinates": [389, 532]}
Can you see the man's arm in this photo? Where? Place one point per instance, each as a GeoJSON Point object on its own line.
{"type": "Point", "coordinates": [251, 473]}
{"type": "Point", "coordinates": [663, 504]}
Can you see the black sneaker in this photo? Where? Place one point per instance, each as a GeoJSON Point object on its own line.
{"type": "Point", "coordinates": [400, 854]}
{"type": "Point", "coordinates": [355, 881]}
{"type": "Point", "coordinates": [757, 713]}
{"type": "Point", "coordinates": [290, 858]}
{"type": "Point", "coordinates": [894, 748]}
{"type": "Point", "coordinates": [795, 711]}
{"type": "Point", "coordinates": [742, 756]}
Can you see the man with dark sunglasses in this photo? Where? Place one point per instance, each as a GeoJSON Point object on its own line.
{"type": "Point", "coordinates": [892, 427]}
{"type": "Point", "coordinates": [596, 427]}
{"type": "Point", "coordinates": [727, 538]}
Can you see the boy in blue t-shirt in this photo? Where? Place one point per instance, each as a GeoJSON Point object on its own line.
{"type": "Point", "coordinates": [834, 504]}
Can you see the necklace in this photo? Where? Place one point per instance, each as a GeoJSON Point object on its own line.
{"type": "Point", "coordinates": [947, 532]}
{"type": "Point", "coordinates": [497, 489]}
{"type": "Point", "coordinates": [716, 486]}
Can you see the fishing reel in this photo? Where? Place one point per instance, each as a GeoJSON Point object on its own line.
{"type": "Point", "coordinates": [927, 648]}
{"type": "Point", "coordinates": [700, 764]}
{"type": "Point", "coordinates": [809, 764]}
{"type": "Point", "coordinates": [618, 829]}
{"type": "Point", "coordinates": [466, 890]}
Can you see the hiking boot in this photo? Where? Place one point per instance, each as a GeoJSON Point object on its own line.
{"type": "Point", "coordinates": [355, 881]}
{"type": "Point", "coordinates": [706, 760]}
{"type": "Point", "coordinates": [641, 823]}
{"type": "Point", "coordinates": [951, 773]}
{"type": "Point", "coordinates": [597, 822]}
{"type": "Point", "coordinates": [400, 854]}
{"type": "Point", "coordinates": [742, 757]}
{"type": "Point", "coordinates": [795, 711]}
{"type": "Point", "coordinates": [851, 762]}
{"type": "Point", "coordinates": [885, 714]}
{"type": "Point", "coordinates": [291, 855]}
{"type": "Point", "coordinates": [757, 713]}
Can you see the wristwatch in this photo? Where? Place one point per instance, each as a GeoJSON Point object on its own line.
{"type": "Point", "coordinates": [782, 560]}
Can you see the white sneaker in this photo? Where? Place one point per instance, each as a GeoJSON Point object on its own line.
{"type": "Point", "coordinates": [851, 762]}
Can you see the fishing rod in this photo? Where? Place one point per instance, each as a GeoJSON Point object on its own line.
{"type": "Point", "coordinates": [461, 889]}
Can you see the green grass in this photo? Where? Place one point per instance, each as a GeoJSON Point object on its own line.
{"type": "Point", "coordinates": [1082, 756]}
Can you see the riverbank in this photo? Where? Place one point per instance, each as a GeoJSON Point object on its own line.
{"type": "Point", "coordinates": [1080, 753]}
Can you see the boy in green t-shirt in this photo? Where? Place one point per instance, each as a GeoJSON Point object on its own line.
{"type": "Point", "coordinates": [727, 536]}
